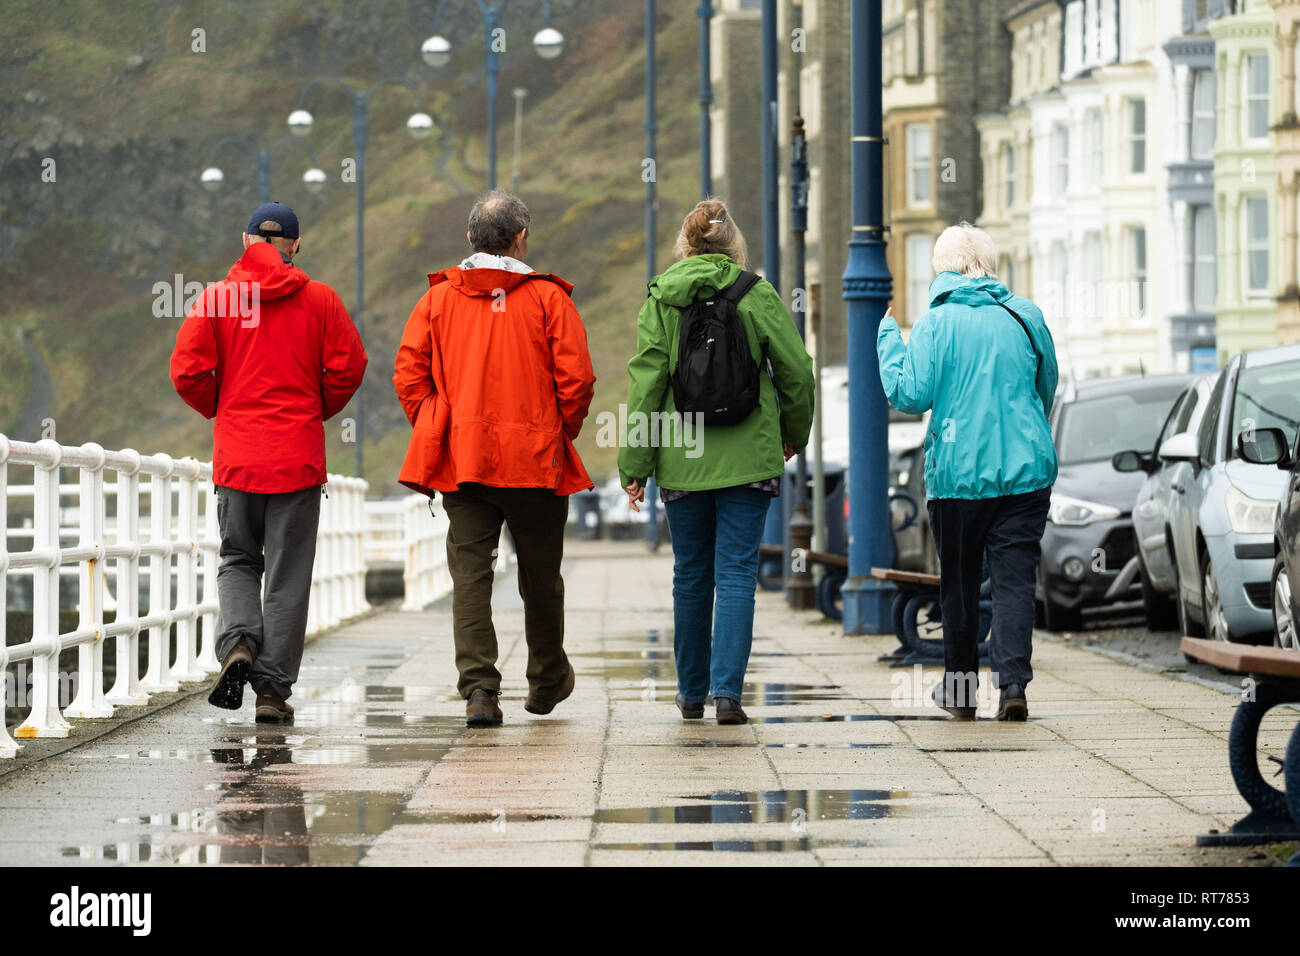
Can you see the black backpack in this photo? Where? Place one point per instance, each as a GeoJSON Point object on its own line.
{"type": "Point", "coordinates": [716, 376]}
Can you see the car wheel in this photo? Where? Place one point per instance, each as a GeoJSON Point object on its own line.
{"type": "Point", "coordinates": [1057, 617]}
{"type": "Point", "coordinates": [1284, 623]}
{"type": "Point", "coordinates": [1216, 621]}
{"type": "Point", "coordinates": [1161, 613]}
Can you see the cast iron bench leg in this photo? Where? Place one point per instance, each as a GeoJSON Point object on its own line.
{"type": "Point", "coordinates": [1270, 819]}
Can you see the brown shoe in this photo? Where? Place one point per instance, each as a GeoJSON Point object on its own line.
{"type": "Point", "coordinates": [228, 691]}
{"type": "Point", "coordinates": [482, 709]}
{"type": "Point", "coordinates": [272, 708]}
{"type": "Point", "coordinates": [545, 703]}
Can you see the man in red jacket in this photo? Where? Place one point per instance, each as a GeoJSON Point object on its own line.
{"type": "Point", "coordinates": [494, 374]}
{"type": "Point", "coordinates": [271, 354]}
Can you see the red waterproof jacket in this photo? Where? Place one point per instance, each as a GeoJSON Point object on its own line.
{"type": "Point", "coordinates": [270, 368]}
{"type": "Point", "coordinates": [494, 374]}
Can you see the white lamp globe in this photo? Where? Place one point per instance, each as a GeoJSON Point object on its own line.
{"type": "Point", "coordinates": [419, 125]}
{"type": "Point", "coordinates": [314, 179]}
{"type": "Point", "coordinates": [212, 178]}
{"type": "Point", "coordinates": [549, 43]}
{"type": "Point", "coordinates": [436, 51]}
{"type": "Point", "coordinates": [300, 122]}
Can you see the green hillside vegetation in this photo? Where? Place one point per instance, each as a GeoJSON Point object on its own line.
{"type": "Point", "coordinates": [112, 92]}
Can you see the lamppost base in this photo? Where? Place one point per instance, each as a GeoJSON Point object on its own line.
{"type": "Point", "coordinates": [800, 592]}
{"type": "Point", "coordinates": [868, 606]}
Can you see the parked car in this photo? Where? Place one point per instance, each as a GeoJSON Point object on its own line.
{"type": "Point", "coordinates": [1151, 509]}
{"type": "Point", "coordinates": [1271, 447]}
{"type": "Point", "coordinates": [1223, 512]}
{"type": "Point", "coordinates": [1089, 558]}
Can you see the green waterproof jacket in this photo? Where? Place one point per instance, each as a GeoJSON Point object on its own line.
{"type": "Point", "coordinates": [652, 439]}
{"type": "Point", "coordinates": [971, 364]}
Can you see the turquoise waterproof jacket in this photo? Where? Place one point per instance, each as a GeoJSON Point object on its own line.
{"type": "Point", "coordinates": [969, 362]}
{"type": "Point", "coordinates": [714, 456]}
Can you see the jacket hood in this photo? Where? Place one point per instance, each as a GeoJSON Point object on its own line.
{"type": "Point", "coordinates": [486, 282]}
{"type": "Point", "coordinates": [688, 279]}
{"type": "Point", "coordinates": [263, 264]}
{"type": "Point", "coordinates": [967, 291]}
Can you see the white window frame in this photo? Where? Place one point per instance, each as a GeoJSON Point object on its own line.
{"type": "Point", "coordinates": [1060, 159]}
{"type": "Point", "coordinates": [1009, 168]}
{"type": "Point", "coordinates": [1206, 116]}
{"type": "Point", "coordinates": [1139, 267]}
{"type": "Point", "coordinates": [1254, 246]}
{"type": "Point", "coordinates": [1094, 142]}
{"type": "Point", "coordinates": [1204, 261]}
{"type": "Point", "coordinates": [1135, 106]}
{"type": "Point", "coordinates": [915, 166]}
{"type": "Point", "coordinates": [920, 271]}
{"type": "Point", "coordinates": [1249, 98]}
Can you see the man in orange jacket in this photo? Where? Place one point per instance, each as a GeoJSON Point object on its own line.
{"type": "Point", "coordinates": [494, 374]}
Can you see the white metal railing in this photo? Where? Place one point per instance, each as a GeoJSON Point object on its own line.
{"type": "Point", "coordinates": [182, 528]}
{"type": "Point", "coordinates": [408, 532]}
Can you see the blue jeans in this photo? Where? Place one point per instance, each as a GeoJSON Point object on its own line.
{"type": "Point", "coordinates": [715, 535]}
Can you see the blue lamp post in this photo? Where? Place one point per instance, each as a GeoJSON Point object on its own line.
{"type": "Point", "coordinates": [799, 591]}
{"type": "Point", "coordinates": [213, 178]}
{"type": "Point", "coordinates": [705, 12]}
{"type": "Point", "coordinates": [419, 125]}
{"type": "Point", "coordinates": [867, 290]}
{"type": "Point", "coordinates": [651, 228]}
{"type": "Point", "coordinates": [436, 52]}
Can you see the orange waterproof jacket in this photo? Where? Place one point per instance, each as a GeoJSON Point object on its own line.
{"type": "Point", "coordinates": [494, 374]}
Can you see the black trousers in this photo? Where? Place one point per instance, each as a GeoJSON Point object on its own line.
{"type": "Point", "coordinates": [268, 547]}
{"type": "Point", "coordinates": [1009, 530]}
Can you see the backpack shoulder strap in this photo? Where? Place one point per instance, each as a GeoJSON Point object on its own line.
{"type": "Point", "coordinates": [736, 291]}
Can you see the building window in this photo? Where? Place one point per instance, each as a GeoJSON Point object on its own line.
{"type": "Point", "coordinates": [912, 43]}
{"type": "Point", "coordinates": [1093, 138]}
{"type": "Point", "coordinates": [1088, 299]}
{"type": "Point", "coordinates": [1204, 96]}
{"type": "Point", "coordinates": [1205, 263]}
{"type": "Point", "coordinates": [1256, 226]}
{"type": "Point", "coordinates": [920, 250]}
{"type": "Point", "coordinates": [918, 164]}
{"type": "Point", "coordinates": [1137, 136]}
{"type": "Point", "coordinates": [1137, 262]}
{"type": "Point", "coordinates": [1010, 162]}
{"type": "Point", "coordinates": [1060, 158]}
{"type": "Point", "coordinates": [1255, 101]}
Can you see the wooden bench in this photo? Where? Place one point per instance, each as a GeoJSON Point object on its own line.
{"type": "Point", "coordinates": [1275, 679]}
{"type": "Point", "coordinates": [918, 593]}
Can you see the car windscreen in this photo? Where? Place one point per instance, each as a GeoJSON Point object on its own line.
{"type": "Point", "coordinates": [1093, 429]}
{"type": "Point", "coordinates": [1268, 396]}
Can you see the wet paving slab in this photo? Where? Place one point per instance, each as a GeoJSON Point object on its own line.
{"type": "Point", "coordinates": [843, 762]}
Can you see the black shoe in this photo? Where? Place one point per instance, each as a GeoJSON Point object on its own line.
{"type": "Point", "coordinates": [729, 711]}
{"type": "Point", "coordinates": [689, 710]}
{"type": "Point", "coordinates": [961, 713]}
{"type": "Point", "coordinates": [228, 691]}
{"type": "Point", "coordinates": [1013, 705]}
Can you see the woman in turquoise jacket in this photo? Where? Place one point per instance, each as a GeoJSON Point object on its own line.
{"type": "Point", "coordinates": [982, 362]}
{"type": "Point", "coordinates": [716, 481]}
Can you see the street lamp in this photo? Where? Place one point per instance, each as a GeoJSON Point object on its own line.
{"type": "Point", "coordinates": [419, 125]}
{"type": "Point", "coordinates": [212, 178]}
{"type": "Point", "coordinates": [867, 289]}
{"type": "Point", "coordinates": [799, 592]}
{"type": "Point", "coordinates": [705, 13]}
{"type": "Point", "coordinates": [436, 52]}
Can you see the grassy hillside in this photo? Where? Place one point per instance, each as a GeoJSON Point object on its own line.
{"type": "Point", "coordinates": [113, 93]}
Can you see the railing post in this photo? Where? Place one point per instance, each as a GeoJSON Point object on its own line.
{"type": "Point", "coordinates": [158, 676]}
{"type": "Point", "coordinates": [89, 700]}
{"type": "Point", "coordinates": [126, 686]}
{"type": "Point", "coordinates": [8, 746]}
{"type": "Point", "coordinates": [45, 720]}
{"type": "Point", "coordinates": [186, 546]}
{"type": "Point", "coordinates": [209, 547]}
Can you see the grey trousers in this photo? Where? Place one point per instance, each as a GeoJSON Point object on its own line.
{"type": "Point", "coordinates": [268, 547]}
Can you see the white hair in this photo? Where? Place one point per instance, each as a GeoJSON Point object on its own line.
{"type": "Point", "coordinates": [966, 249]}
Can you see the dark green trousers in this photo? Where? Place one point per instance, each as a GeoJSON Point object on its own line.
{"type": "Point", "coordinates": [535, 518]}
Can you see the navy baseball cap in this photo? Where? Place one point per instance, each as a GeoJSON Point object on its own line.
{"type": "Point", "coordinates": [275, 212]}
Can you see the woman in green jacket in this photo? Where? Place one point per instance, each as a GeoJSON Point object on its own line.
{"type": "Point", "coordinates": [716, 481]}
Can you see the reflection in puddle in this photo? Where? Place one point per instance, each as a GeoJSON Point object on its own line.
{"type": "Point", "coordinates": [767, 806]}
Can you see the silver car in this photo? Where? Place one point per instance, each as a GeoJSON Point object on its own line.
{"type": "Point", "coordinates": [1222, 513]}
{"type": "Point", "coordinates": [1151, 509]}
